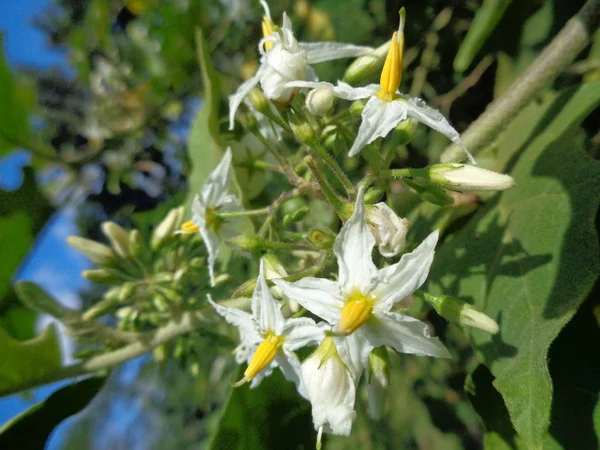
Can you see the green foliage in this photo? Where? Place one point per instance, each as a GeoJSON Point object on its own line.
{"type": "Point", "coordinates": [530, 257]}
{"type": "Point", "coordinates": [32, 428]}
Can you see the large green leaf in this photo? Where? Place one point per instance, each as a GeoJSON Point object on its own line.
{"type": "Point", "coordinates": [272, 416]}
{"type": "Point", "coordinates": [21, 362]}
{"type": "Point", "coordinates": [530, 257]}
{"type": "Point", "coordinates": [31, 429]}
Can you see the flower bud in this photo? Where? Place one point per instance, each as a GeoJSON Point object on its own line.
{"type": "Point", "coordinates": [246, 243]}
{"type": "Point", "coordinates": [319, 101]}
{"type": "Point", "coordinates": [356, 107]}
{"type": "Point", "coordinates": [99, 254]}
{"type": "Point", "coordinates": [169, 225]}
{"type": "Point", "coordinates": [301, 128]}
{"type": "Point", "coordinates": [118, 237]}
{"type": "Point", "coordinates": [465, 177]}
{"type": "Point", "coordinates": [103, 276]}
{"type": "Point", "coordinates": [107, 305]}
{"type": "Point", "coordinates": [379, 377]}
{"type": "Point", "coordinates": [389, 229]}
{"type": "Point", "coordinates": [405, 131]}
{"type": "Point", "coordinates": [295, 216]}
{"type": "Point", "coordinates": [258, 100]}
{"type": "Point", "coordinates": [374, 194]}
{"type": "Point", "coordinates": [322, 239]}
{"type": "Point", "coordinates": [456, 311]}
{"type": "Point", "coordinates": [367, 66]}
{"type": "Point", "coordinates": [136, 242]}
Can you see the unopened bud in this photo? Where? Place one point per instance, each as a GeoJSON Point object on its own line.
{"type": "Point", "coordinates": [245, 290]}
{"type": "Point", "coordinates": [301, 128]}
{"type": "Point", "coordinates": [258, 100]}
{"type": "Point", "coordinates": [374, 194]}
{"type": "Point", "coordinates": [127, 291]}
{"type": "Point", "coordinates": [459, 312]}
{"type": "Point", "coordinates": [169, 225]}
{"type": "Point", "coordinates": [367, 66]}
{"type": "Point", "coordinates": [105, 306]}
{"type": "Point", "coordinates": [319, 101]}
{"type": "Point", "coordinates": [103, 276]}
{"type": "Point", "coordinates": [379, 377]}
{"type": "Point", "coordinates": [356, 107]}
{"type": "Point", "coordinates": [99, 254]}
{"type": "Point", "coordinates": [136, 242]}
{"type": "Point", "coordinates": [222, 279]}
{"type": "Point", "coordinates": [322, 239]}
{"type": "Point", "coordinates": [246, 243]}
{"type": "Point", "coordinates": [118, 237]}
{"type": "Point", "coordinates": [295, 216]}
{"type": "Point", "coordinates": [405, 131]}
{"type": "Point", "coordinates": [466, 178]}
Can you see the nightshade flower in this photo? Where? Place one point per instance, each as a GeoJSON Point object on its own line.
{"type": "Point", "coordinates": [206, 207]}
{"type": "Point", "coordinates": [387, 107]}
{"type": "Point", "coordinates": [358, 304]}
{"type": "Point", "coordinates": [389, 229]}
{"type": "Point", "coordinates": [331, 390]}
{"type": "Point", "coordinates": [284, 59]}
{"type": "Point", "coordinates": [268, 340]}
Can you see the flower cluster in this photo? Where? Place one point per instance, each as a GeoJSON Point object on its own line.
{"type": "Point", "coordinates": [354, 318]}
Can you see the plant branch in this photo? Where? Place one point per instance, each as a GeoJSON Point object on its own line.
{"type": "Point", "coordinates": [555, 58]}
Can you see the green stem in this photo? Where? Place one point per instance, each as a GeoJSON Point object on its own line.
{"type": "Point", "coordinates": [343, 209]}
{"type": "Point", "coordinates": [402, 173]}
{"type": "Point", "coordinates": [555, 58]}
{"type": "Point", "coordinates": [333, 165]}
{"type": "Point", "coordinates": [251, 212]}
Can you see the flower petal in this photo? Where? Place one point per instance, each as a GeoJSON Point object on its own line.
{"type": "Point", "coordinates": [301, 332]}
{"type": "Point", "coordinates": [217, 184]}
{"type": "Point", "coordinates": [404, 333]}
{"type": "Point", "coordinates": [265, 309]}
{"type": "Point", "coordinates": [378, 119]}
{"type": "Point", "coordinates": [353, 247]}
{"type": "Point", "coordinates": [419, 110]}
{"type": "Point", "coordinates": [236, 99]}
{"type": "Point", "coordinates": [212, 242]}
{"type": "Point", "coordinates": [291, 368]}
{"type": "Point", "coordinates": [342, 90]}
{"type": "Point", "coordinates": [320, 296]}
{"type": "Point", "coordinates": [317, 52]}
{"type": "Point", "coordinates": [354, 351]}
{"type": "Point", "coordinates": [398, 281]}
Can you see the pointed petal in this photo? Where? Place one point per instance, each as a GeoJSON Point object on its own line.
{"type": "Point", "coordinates": [217, 184]}
{"type": "Point", "coordinates": [398, 281]}
{"type": "Point", "coordinates": [291, 368]}
{"type": "Point", "coordinates": [236, 99]}
{"type": "Point", "coordinates": [301, 332]}
{"type": "Point", "coordinates": [265, 309]}
{"type": "Point", "coordinates": [320, 296]}
{"type": "Point", "coordinates": [419, 110]}
{"type": "Point", "coordinates": [229, 203]}
{"type": "Point", "coordinates": [198, 212]}
{"type": "Point", "coordinates": [354, 351]}
{"type": "Point", "coordinates": [317, 52]}
{"type": "Point", "coordinates": [212, 242]}
{"type": "Point", "coordinates": [404, 333]}
{"type": "Point", "coordinates": [378, 119]}
{"type": "Point", "coordinates": [342, 90]}
{"type": "Point", "coordinates": [353, 247]}
{"type": "Point", "coordinates": [249, 337]}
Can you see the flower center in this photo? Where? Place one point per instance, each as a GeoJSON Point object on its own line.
{"type": "Point", "coordinates": [214, 222]}
{"type": "Point", "coordinates": [264, 354]}
{"type": "Point", "coordinates": [391, 74]}
{"type": "Point", "coordinates": [189, 227]}
{"type": "Point", "coordinates": [356, 312]}
{"type": "Point", "coordinates": [267, 30]}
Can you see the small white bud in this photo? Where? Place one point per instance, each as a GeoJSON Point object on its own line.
{"type": "Point", "coordinates": [466, 178]}
{"type": "Point", "coordinates": [169, 225]}
{"type": "Point", "coordinates": [319, 101]}
{"type": "Point", "coordinates": [389, 229]}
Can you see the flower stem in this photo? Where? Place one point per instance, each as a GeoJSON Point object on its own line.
{"type": "Point", "coordinates": [251, 212]}
{"type": "Point", "coordinates": [324, 155]}
{"type": "Point", "coordinates": [343, 209]}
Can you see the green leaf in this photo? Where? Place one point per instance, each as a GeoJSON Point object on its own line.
{"type": "Point", "coordinates": [32, 428]}
{"type": "Point", "coordinates": [270, 416]}
{"type": "Point", "coordinates": [39, 300]}
{"type": "Point", "coordinates": [530, 257]}
{"type": "Point", "coordinates": [23, 362]}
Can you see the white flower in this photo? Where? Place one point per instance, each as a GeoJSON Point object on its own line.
{"type": "Point", "coordinates": [358, 304]}
{"type": "Point", "coordinates": [267, 339]}
{"type": "Point", "coordinates": [387, 107]}
{"type": "Point", "coordinates": [467, 178]}
{"type": "Point", "coordinates": [389, 229]}
{"type": "Point", "coordinates": [284, 59]}
{"type": "Point", "coordinates": [331, 390]}
{"type": "Point", "coordinates": [212, 200]}
{"type": "Point", "coordinates": [319, 101]}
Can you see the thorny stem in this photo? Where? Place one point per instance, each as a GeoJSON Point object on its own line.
{"type": "Point", "coordinates": [555, 58]}
{"type": "Point", "coordinates": [272, 209]}
{"type": "Point", "coordinates": [333, 165]}
{"type": "Point", "coordinates": [343, 209]}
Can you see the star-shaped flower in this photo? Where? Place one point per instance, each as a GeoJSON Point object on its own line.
{"type": "Point", "coordinates": [284, 59]}
{"type": "Point", "coordinates": [206, 207]}
{"type": "Point", "coordinates": [268, 340]}
{"type": "Point", "coordinates": [387, 107]}
{"type": "Point", "coordinates": [358, 304]}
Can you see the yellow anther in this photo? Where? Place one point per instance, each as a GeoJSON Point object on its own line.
{"type": "Point", "coordinates": [264, 354]}
{"type": "Point", "coordinates": [267, 29]}
{"type": "Point", "coordinates": [391, 74]}
{"type": "Point", "coordinates": [356, 312]}
{"type": "Point", "coordinates": [189, 227]}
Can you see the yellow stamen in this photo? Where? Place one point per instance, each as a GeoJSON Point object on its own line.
{"type": "Point", "coordinates": [264, 354]}
{"type": "Point", "coordinates": [391, 74]}
{"type": "Point", "coordinates": [189, 227]}
{"type": "Point", "coordinates": [356, 312]}
{"type": "Point", "coordinates": [267, 30]}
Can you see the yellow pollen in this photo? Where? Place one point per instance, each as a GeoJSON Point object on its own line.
{"type": "Point", "coordinates": [267, 30]}
{"type": "Point", "coordinates": [189, 227]}
{"type": "Point", "coordinates": [356, 312]}
{"type": "Point", "coordinates": [264, 354]}
{"type": "Point", "coordinates": [391, 74]}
